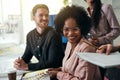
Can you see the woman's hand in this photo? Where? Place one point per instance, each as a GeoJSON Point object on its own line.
{"type": "Point", "coordinates": [105, 49]}
{"type": "Point", "coordinates": [53, 72]}
{"type": "Point", "coordinates": [94, 41]}
{"type": "Point", "coordinates": [54, 69]}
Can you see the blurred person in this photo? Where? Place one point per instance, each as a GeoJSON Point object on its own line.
{"type": "Point", "coordinates": [105, 26]}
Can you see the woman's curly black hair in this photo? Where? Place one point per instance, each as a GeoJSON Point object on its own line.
{"type": "Point", "coordinates": [76, 12]}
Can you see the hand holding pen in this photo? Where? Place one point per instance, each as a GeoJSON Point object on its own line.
{"type": "Point", "coordinates": [93, 39]}
{"type": "Point", "coordinates": [20, 64]}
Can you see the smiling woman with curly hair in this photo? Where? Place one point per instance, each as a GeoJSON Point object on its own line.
{"type": "Point", "coordinates": [75, 24]}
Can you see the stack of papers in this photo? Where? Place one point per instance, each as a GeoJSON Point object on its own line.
{"type": "Point", "coordinates": [37, 75]}
{"type": "Point", "coordinates": [101, 59]}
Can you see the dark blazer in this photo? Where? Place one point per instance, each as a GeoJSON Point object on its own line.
{"type": "Point", "coordinates": [47, 48]}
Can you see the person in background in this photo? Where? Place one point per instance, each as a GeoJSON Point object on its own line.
{"type": "Point", "coordinates": [105, 26]}
{"type": "Point", "coordinates": [111, 73]}
{"type": "Point", "coordinates": [43, 42]}
{"type": "Point", "coordinates": [75, 24]}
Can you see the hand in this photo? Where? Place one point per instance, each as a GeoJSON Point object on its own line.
{"type": "Point", "coordinates": [118, 67]}
{"type": "Point", "coordinates": [54, 69]}
{"type": "Point", "coordinates": [20, 64]}
{"type": "Point", "coordinates": [94, 41]}
{"type": "Point", "coordinates": [53, 74]}
{"type": "Point", "coordinates": [105, 49]}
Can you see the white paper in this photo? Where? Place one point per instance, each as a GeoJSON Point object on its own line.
{"type": "Point", "coordinates": [102, 60]}
{"type": "Point", "coordinates": [37, 75]}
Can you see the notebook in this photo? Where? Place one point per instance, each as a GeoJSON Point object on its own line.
{"type": "Point", "coordinates": [103, 60]}
{"type": "Point", "coordinates": [37, 75]}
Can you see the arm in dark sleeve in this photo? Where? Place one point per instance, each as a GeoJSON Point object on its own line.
{"type": "Point", "coordinates": [56, 53]}
{"type": "Point", "coordinates": [27, 54]}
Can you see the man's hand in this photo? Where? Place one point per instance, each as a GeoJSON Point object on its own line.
{"type": "Point", "coordinates": [20, 64]}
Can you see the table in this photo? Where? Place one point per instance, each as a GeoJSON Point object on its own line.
{"type": "Point", "coordinates": [8, 53]}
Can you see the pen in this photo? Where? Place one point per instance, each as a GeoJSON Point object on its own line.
{"type": "Point", "coordinates": [19, 61]}
{"type": "Point", "coordinates": [89, 43]}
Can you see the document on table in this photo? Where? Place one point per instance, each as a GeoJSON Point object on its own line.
{"type": "Point", "coordinates": [103, 60]}
{"type": "Point", "coordinates": [37, 75]}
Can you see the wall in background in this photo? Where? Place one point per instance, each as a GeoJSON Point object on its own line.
{"type": "Point", "coordinates": [10, 21]}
